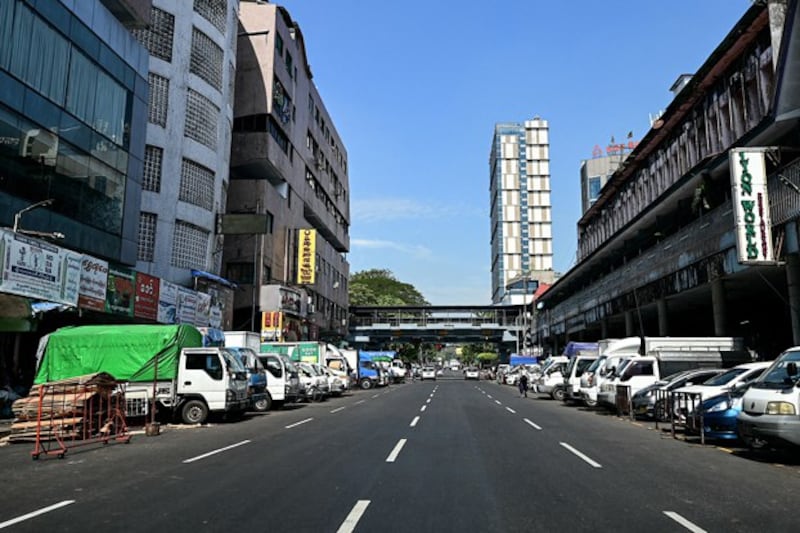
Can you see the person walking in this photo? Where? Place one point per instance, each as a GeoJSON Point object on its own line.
{"type": "Point", "coordinates": [523, 385]}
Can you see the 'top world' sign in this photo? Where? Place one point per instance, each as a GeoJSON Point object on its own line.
{"type": "Point", "coordinates": [751, 206]}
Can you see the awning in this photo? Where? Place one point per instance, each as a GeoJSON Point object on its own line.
{"type": "Point", "coordinates": [213, 277]}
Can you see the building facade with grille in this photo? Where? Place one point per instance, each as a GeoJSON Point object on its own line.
{"type": "Point", "coordinates": [520, 211]}
{"type": "Point", "coordinates": [289, 171]}
{"type": "Point", "coordinates": [192, 49]}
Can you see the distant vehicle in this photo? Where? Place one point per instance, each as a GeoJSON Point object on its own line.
{"type": "Point", "coordinates": [471, 373]}
{"type": "Point", "coordinates": [428, 372]}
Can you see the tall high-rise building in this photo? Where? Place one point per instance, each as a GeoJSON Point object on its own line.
{"type": "Point", "coordinates": [192, 48]}
{"type": "Point", "coordinates": [521, 222]}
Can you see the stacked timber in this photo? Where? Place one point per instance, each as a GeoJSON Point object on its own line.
{"type": "Point", "coordinates": [65, 408]}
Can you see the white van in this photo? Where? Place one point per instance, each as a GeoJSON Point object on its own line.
{"type": "Point", "coordinates": [572, 377]}
{"type": "Point", "coordinates": [771, 405]}
{"type": "Point", "coordinates": [552, 375]}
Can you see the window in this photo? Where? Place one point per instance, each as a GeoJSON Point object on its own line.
{"type": "Point", "coordinates": [197, 185]}
{"type": "Point", "coordinates": [158, 37]}
{"type": "Point", "coordinates": [151, 179]}
{"type": "Point", "coordinates": [289, 65]}
{"type": "Point", "coordinates": [280, 137]}
{"type": "Point", "coordinates": [158, 99]}
{"type": "Point", "coordinates": [201, 120]}
{"type": "Point", "coordinates": [208, 362]}
{"type": "Point", "coordinates": [147, 236]}
{"type": "Point", "coordinates": [189, 246]}
{"type": "Point", "coordinates": [214, 11]}
{"type": "Point", "coordinates": [279, 45]}
{"type": "Point", "coordinates": [206, 59]}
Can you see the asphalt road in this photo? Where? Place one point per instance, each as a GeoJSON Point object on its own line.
{"type": "Point", "coordinates": [449, 455]}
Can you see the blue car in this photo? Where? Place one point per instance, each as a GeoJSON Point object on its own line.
{"type": "Point", "coordinates": [719, 416]}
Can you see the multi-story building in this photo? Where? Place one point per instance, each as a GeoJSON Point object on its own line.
{"type": "Point", "coordinates": [521, 223]}
{"type": "Point", "coordinates": [696, 234]}
{"type": "Point", "coordinates": [289, 174]}
{"type": "Point", "coordinates": [595, 172]}
{"type": "Point", "coordinates": [73, 107]}
{"type": "Point", "coordinates": [192, 46]}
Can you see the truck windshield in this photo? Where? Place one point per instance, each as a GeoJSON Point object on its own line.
{"type": "Point", "coordinates": [778, 375]}
{"type": "Point", "coordinates": [233, 362]}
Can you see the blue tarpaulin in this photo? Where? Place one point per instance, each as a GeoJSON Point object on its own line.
{"type": "Point", "coordinates": [581, 348]}
{"type": "Point", "coordinates": [522, 360]}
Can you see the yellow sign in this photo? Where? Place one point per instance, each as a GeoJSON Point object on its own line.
{"type": "Point", "coordinates": [306, 256]}
{"type": "Point", "coordinates": [271, 326]}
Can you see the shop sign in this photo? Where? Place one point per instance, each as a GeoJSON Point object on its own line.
{"type": "Point", "coordinates": [751, 206]}
{"type": "Point", "coordinates": [94, 283]}
{"type": "Point", "coordinates": [120, 291]}
{"type": "Point", "coordinates": [167, 302]}
{"type": "Point", "coordinates": [271, 326]}
{"type": "Point", "coordinates": [39, 270]}
{"type": "Point", "coordinates": [306, 256]}
{"type": "Point", "coordinates": [187, 305]}
{"type": "Point", "coordinates": [203, 310]}
{"type": "Point", "coordinates": [146, 304]}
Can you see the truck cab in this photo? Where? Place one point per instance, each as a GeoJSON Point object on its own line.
{"type": "Point", "coordinates": [256, 378]}
{"type": "Point", "coordinates": [283, 378]}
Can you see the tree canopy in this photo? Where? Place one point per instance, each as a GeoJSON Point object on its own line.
{"type": "Point", "coordinates": [378, 287]}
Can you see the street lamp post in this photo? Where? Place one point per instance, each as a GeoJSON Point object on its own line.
{"type": "Point", "coordinates": [34, 233]}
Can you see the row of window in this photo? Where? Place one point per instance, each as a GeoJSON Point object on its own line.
{"type": "Point", "coordinates": [189, 242]}
{"type": "Point", "coordinates": [319, 120]}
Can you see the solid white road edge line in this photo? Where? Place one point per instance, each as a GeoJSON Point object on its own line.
{"type": "Point", "coordinates": [338, 409]}
{"type": "Point", "coordinates": [34, 514]}
{"type": "Point", "coordinates": [215, 452]}
{"type": "Point", "coordinates": [290, 426]}
{"type": "Point", "coordinates": [532, 424]}
{"type": "Point", "coordinates": [685, 523]}
{"type": "Point", "coordinates": [352, 519]}
{"type": "Point", "coordinates": [510, 410]}
{"type": "Point", "coordinates": [414, 422]}
{"type": "Point", "coordinates": [423, 408]}
{"type": "Point", "coordinates": [396, 451]}
{"type": "Point", "coordinates": [586, 458]}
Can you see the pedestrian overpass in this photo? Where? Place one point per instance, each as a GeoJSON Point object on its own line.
{"type": "Point", "coordinates": [378, 325]}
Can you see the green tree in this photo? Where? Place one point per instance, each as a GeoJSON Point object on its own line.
{"type": "Point", "coordinates": [381, 288]}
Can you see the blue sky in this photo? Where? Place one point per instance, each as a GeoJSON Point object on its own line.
{"type": "Point", "coordinates": [416, 87]}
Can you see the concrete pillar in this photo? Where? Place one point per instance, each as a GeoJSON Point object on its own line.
{"type": "Point", "coordinates": [630, 328]}
{"type": "Point", "coordinates": [663, 323]}
{"type": "Point", "coordinates": [604, 328]}
{"type": "Point", "coordinates": [793, 284]}
{"type": "Point", "coordinates": [718, 306]}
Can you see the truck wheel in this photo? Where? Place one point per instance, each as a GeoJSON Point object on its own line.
{"type": "Point", "coordinates": [559, 394]}
{"type": "Point", "coordinates": [263, 405]}
{"type": "Point", "coordinates": [194, 412]}
{"type": "Point", "coordinates": [366, 383]}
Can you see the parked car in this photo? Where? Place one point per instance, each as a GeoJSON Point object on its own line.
{"type": "Point", "coordinates": [719, 415]}
{"type": "Point", "coordinates": [644, 401]}
{"type": "Point", "coordinates": [731, 379]}
{"type": "Point", "coordinates": [336, 383]}
{"type": "Point", "coordinates": [313, 384]}
{"type": "Point", "coordinates": [428, 372]}
{"type": "Point", "coordinates": [471, 373]}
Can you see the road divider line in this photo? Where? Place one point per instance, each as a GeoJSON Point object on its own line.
{"type": "Point", "coordinates": [34, 514]}
{"type": "Point", "coordinates": [375, 395]}
{"type": "Point", "coordinates": [489, 396]}
{"type": "Point", "coordinates": [510, 410]}
{"type": "Point", "coordinates": [359, 401]}
{"type": "Point", "coordinates": [290, 426]}
{"type": "Point", "coordinates": [536, 426]}
{"type": "Point", "coordinates": [586, 458]}
{"type": "Point", "coordinates": [685, 523]}
{"type": "Point", "coordinates": [428, 400]}
{"type": "Point", "coordinates": [338, 409]}
{"type": "Point", "coordinates": [498, 402]}
{"type": "Point", "coordinates": [215, 452]}
{"type": "Point", "coordinates": [414, 422]}
{"type": "Point", "coordinates": [352, 519]}
{"type": "Point", "coordinates": [422, 409]}
{"type": "Point", "coordinates": [396, 451]}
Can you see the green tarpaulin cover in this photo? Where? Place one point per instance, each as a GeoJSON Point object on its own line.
{"type": "Point", "coordinates": [127, 352]}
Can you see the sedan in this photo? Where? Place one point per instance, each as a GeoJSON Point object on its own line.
{"type": "Point", "coordinates": [719, 416]}
{"type": "Point", "coordinates": [471, 373]}
{"type": "Point", "coordinates": [428, 373]}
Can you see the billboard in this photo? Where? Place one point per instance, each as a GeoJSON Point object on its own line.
{"type": "Point", "coordinates": [120, 291]}
{"type": "Point", "coordinates": [94, 281]}
{"type": "Point", "coordinates": [146, 302]}
{"type": "Point", "coordinates": [167, 303]}
{"type": "Point", "coordinates": [751, 206]}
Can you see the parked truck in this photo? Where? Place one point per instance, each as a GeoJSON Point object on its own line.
{"type": "Point", "coordinates": [366, 373]}
{"type": "Point", "coordinates": [188, 379]}
{"type": "Point", "coordinates": [244, 346]}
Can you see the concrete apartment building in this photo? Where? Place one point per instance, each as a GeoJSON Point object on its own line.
{"type": "Point", "coordinates": [521, 221]}
{"type": "Point", "coordinates": [289, 175]}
